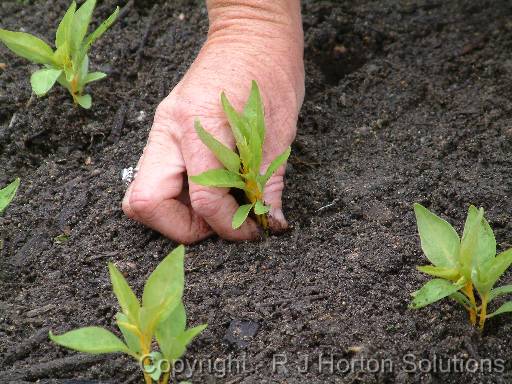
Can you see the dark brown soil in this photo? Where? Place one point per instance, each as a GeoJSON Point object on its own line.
{"type": "Point", "coordinates": [407, 101]}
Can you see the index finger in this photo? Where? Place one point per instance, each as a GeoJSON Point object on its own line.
{"type": "Point", "coordinates": [153, 196]}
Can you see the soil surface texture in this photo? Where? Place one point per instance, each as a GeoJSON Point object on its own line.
{"type": "Point", "coordinates": [406, 101]}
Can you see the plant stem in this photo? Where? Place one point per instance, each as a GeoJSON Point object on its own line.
{"type": "Point", "coordinates": [483, 312]}
{"type": "Point", "coordinates": [147, 379]}
{"type": "Point", "coordinates": [471, 296]}
{"type": "Point", "coordinates": [262, 220]}
{"type": "Point", "coordinates": [165, 378]}
{"type": "Point", "coordinates": [146, 347]}
{"type": "Point", "coordinates": [74, 88]}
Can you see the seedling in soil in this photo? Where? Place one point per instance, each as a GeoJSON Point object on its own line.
{"type": "Point", "coordinates": [242, 169]}
{"type": "Point", "coordinates": [69, 63]}
{"type": "Point", "coordinates": [7, 194]}
{"type": "Point", "coordinates": [462, 266]}
{"type": "Point", "coordinates": [161, 316]}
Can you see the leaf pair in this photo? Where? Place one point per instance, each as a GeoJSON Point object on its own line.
{"type": "Point", "coordinates": [68, 64]}
{"type": "Point", "coordinates": [7, 194]}
{"type": "Point", "coordinates": [461, 265]}
{"type": "Point", "coordinates": [161, 316]}
{"type": "Point", "coordinates": [242, 169]}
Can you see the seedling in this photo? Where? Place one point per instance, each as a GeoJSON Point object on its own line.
{"type": "Point", "coordinates": [461, 266]}
{"type": "Point", "coordinates": [161, 316]}
{"type": "Point", "coordinates": [68, 64]}
{"type": "Point", "coordinates": [7, 194]}
{"type": "Point", "coordinates": [242, 169]}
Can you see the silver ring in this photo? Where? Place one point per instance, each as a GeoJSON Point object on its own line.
{"type": "Point", "coordinates": [129, 174]}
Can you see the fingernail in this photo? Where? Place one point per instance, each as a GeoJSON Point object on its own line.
{"type": "Point", "coordinates": [277, 221]}
{"type": "Point", "coordinates": [260, 235]}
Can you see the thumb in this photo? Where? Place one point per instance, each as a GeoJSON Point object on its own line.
{"type": "Point", "coordinates": [272, 196]}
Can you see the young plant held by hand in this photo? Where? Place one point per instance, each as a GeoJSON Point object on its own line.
{"type": "Point", "coordinates": [462, 266]}
{"type": "Point", "coordinates": [161, 316]}
{"type": "Point", "coordinates": [68, 64]}
{"type": "Point", "coordinates": [242, 169]}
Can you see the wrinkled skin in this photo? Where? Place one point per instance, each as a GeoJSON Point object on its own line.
{"type": "Point", "coordinates": [160, 196]}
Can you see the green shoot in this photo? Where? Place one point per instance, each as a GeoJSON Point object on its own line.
{"type": "Point", "coordinates": [242, 169]}
{"type": "Point", "coordinates": [69, 63]}
{"type": "Point", "coordinates": [161, 316]}
{"type": "Point", "coordinates": [462, 266]}
{"type": "Point", "coordinates": [7, 194]}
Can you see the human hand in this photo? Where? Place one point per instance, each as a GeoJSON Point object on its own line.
{"type": "Point", "coordinates": [236, 52]}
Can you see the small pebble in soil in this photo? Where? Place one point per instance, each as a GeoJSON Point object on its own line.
{"type": "Point", "coordinates": [240, 332]}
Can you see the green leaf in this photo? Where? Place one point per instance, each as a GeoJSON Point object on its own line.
{"type": "Point", "coordinates": [253, 111]}
{"type": "Point", "coordinates": [507, 307]}
{"type": "Point", "coordinates": [167, 332]}
{"type": "Point", "coordinates": [439, 241]}
{"type": "Point", "coordinates": [81, 21]}
{"type": "Point", "coordinates": [85, 101]}
{"type": "Point", "coordinates": [98, 32]}
{"type": "Point", "coordinates": [433, 291]}
{"type": "Point", "coordinates": [486, 276]}
{"type": "Point", "coordinates": [253, 127]}
{"type": "Point", "coordinates": [442, 272]}
{"type": "Point", "coordinates": [163, 289]}
{"type": "Point", "coordinates": [219, 178]}
{"type": "Point", "coordinates": [27, 46]}
{"type": "Point", "coordinates": [94, 340]}
{"type": "Point", "coordinates": [226, 156]}
{"type": "Point", "coordinates": [494, 293]}
{"type": "Point", "coordinates": [82, 73]}
{"type": "Point", "coordinates": [241, 215]}
{"type": "Point", "coordinates": [94, 76]}
{"type": "Point", "coordinates": [486, 244]}
{"type": "Point", "coordinates": [130, 333]}
{"type": "Point", "coordinates": [61, 239]}
{"type": "Point", "coordinates": [174, 324]}
{"type": "Point", "coordinates": [175, 347]}
{"type": "Point", "coordinates": [461, 299]}
{"type": "Point", "coordinates": [61, 58]}
{"type": "Point", "coordinates": [260, 209]}
{"type": "Point", "coordinates": [43, 80]}
{"type": "Point", "coordinates": [469, 245]}
{"type": "Point", "coordinates": [255, 149]}
{"type": "Point", "coordinates": [127, 300]}
{"type": "Point", "coordinates": [8, 193]}
{"type": "Point", "coordinates": [190, 334]}
{"type": "Point", "coordinates": [239, 129]}
{"type": "Point", "coordinates": [63, 35]}
{"type": "Point", "coordinates": [274, 166]}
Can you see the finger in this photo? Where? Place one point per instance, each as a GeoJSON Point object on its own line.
{"type": "Point", "coordinates": [153, 196]}
{"type": "Point", "coordinates": [285, 129]}
{"type": "Point", "coordinates": [216, 205]}
{"type": "Point", "coordinates": [272, 195]}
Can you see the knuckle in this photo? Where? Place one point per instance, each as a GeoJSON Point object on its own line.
{"type": "Point", "coordinates": [127, 209]}
{"type": "Point", "coordinates": [274, 188]}
{"type": "Point", "coordinates": [205, 202]}
{"type": "Point", "coordinates": [164, 110]}
{"type": "Point", "coordinates": [141, 205]}
{"type": "Point", "coordinates": [275, 184]}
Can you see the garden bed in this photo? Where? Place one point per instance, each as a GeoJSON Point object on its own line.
{"type": "Point", "coordinates": [405, 102]}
